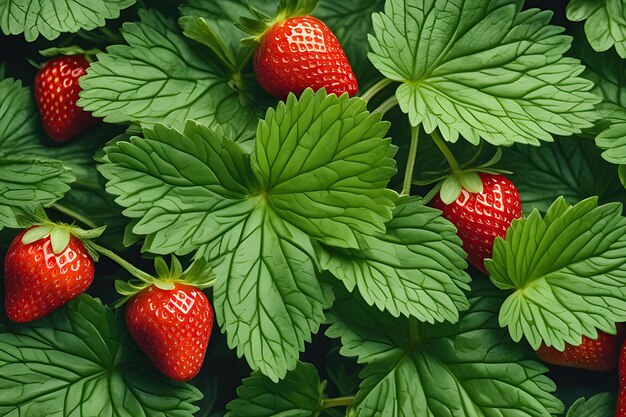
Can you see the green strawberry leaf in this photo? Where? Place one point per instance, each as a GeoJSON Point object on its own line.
{"type": "Point", "coordinates": [415, 269]}
{"type": "Point", "coordinates": [79, 362]}
{"type": "Point", "coordinates": [466, 369]}
{"type": "Point", "coordinates": [50, 18]}
{"type": "Point", "coordinates": [600, 405]}
{"type": "Point", "coordinates": [566, 271]}
{"type": "Point", "coordinates": [19, 120]}
{"type": "Point", "coordinates": [163, 77]}
{"type": "Point", "coordinates": [569, 167]}
{"type": "Point", "coordinates": [605, 24]}
{"type": "Point", "coordinates": [482, 70]}
{"type": "Point", "coordinates": [298, 395]}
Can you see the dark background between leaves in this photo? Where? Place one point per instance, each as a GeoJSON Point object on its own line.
{"type": "Point", "coordinates": [223, 372]}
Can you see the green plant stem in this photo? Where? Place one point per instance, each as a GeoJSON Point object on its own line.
{"type": "Point", "coordinates": [337, 402]}
{"type": "Point", "coordinates": [410, 164]}
{"type": "Point", "coordinates": [73, 214]}
{"type": "Point", "coordinates": [441, 144]}
{"type": "Point", "coordinates": [133, 270]}
{"type": "Point", "coordinates": [414, 330]}
{"type": "Point", "coordinates": [387, 105]}
{"type": "Point", "coordinates": [375, 89]}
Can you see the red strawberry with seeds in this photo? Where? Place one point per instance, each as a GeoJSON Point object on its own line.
{"type": "Point", "coordinates": [39, 277]}
{"type": "Point", "coordinates": [299, 53]}
{"type": "Point", "coordinates": [56, 93]}
{"type": "Point", "coordinates": [621, 396]}
{"type": "Point", "coordinates": [595, 355]}
{"type": "Point", "coordinates": [481, 217]}
{"type": "Point", "coordinates": [172, 327]}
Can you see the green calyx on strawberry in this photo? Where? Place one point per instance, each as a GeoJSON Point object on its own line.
{"type": "Point", "coordinates": [170, 317]}
{"type": "Point", "coordinates": [296, 51]}
{"type": "Point", "coordinates": [46, 266]}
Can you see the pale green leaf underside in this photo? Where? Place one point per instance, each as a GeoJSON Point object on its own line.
{"type": "Point", "coordinates": [163, 77]}
{"type": "Point", "coordinates": [298, 395]}
{"type": "Point", "coordinates": [600, 405]}
{"type": "Point", "coordinates": [567, 271]}
{"type": "Point", "coordinates": [467, 369]}
{"type": "Point", "coordinates": [415, 269]}
{"type": "Point", "coordinates": [324, 164]}
{"type": "Point", "coordinates": [77, 363]}
{"type": "Point", "coordinates": [50, 18]}
{"type": "Point", "coordinates": [19, 120]}
{"type": "Point", "coordinates": [605, 24]}
{"type": "Point", "coordinates": [482, 69]}
{"type": "Point", "coordinates": [269, 299]}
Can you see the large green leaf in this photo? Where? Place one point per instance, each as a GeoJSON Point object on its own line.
{"type": "Point", "coordinates": [416, 268]}
{"type": "Point", "coordinates": [163, 77]}
{"type": "Point", "coordinates": [605, 24]}
{"type": "Point", "coordinates": [324, 163]}
{"type": "Point", "coordinates": [19, 120]}
{"type": "Point", "coordinates": [566, 271]}
{"type": "Point", "coordinates": [468, 369]}
{"type": "Point", "coordinates": [50, 18]}
{"type": "Point", "coordinates": [78, 362]}
{"type": "Point", "coordinates": [569, 167]}
{"type": "Point", "coordinates": [482, 69]}
{"type": "Point", "coordinates": [298, 395]}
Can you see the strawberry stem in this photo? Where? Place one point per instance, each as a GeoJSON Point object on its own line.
{"type": "Point", "coordinates": [133, 270]}
{"type": "Point", "coordinates": [441, 144]}
{"type": "Point", "coordinates": [76, 216]}
{"type": "Point", "coordinates": [387, 105]}
{"type": "Point", "coordinates": [375, 89]}
{"type": "Point", "coordinates": [410, 165]}
{"type": "Point", "coordinates": [337, 402]}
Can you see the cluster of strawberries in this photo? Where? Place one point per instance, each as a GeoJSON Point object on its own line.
{"type": "Point", "coordinates": [173, 325]}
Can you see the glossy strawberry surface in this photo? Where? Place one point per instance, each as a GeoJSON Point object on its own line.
{"type": "Point", "coordinates": [56, 93]}
{"type": "Point", "coordinates": [481, 217]}
{"type": "Point", "coordinates": [172, 327]}
{"type": "Point", "coordinates": [37, 281]}
{"type": "Point", "coordinates": [302, 52]}
{"type": "Point", "coordinates": [600, 354]}
{"type": "Point", "coordinates": [621, 395]}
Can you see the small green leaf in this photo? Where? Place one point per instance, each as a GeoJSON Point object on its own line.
{"type": "Point", "coordinates": [600, 405]}
{"type": "Point", "coordinates": [471, 182]}
{"type": "Point", "coordinates": [467, 369]}
{"type": "Point", "coordinates": [482, 70]}
{"type": "Point", "coordinates": [298, 395]}
{"type": "Point", "coordinates": [59, 238]}
{"type": "Point", "coordinates": [36, 233]}
{"type": "Point", "coordinates": [566, 271]}
{"type": "Point", "coordinates": [605, 24]}
{"type": "Point", "coordinates": [50, 18]}
{"type": "Point", "coordinates": [450, 189]}
{"type": "Point", "coordinates": [415, 269]}
{"type": "Point", "coordinates": [80, 361]}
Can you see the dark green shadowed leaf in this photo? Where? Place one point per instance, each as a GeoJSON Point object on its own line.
{"type": "Point", "coordinates": [50, 18]}
{"type": "Point", "coordinates": [482, 69]}
{"type": "Point", "coordinates": [415, 269]}
{"type": "Point", "coordinates": [600, 405]}
{"type": "Point", "coordinates": [468, 369]}
{"type": "Point", "coordinates": [605, 25]}
{"type": "Point", "coordinates": [298, 395]}
{"type": "Point", "coordinates": [566, 271]}
{"type": "Point", "coordinates": [164, 77]}
{"type": "Point", "coordinates": [78, 362]}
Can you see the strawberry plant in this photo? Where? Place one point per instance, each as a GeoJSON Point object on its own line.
{"type": "Point", "coordinates": [369, 208]}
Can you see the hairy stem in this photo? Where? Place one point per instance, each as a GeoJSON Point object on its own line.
{"type": "Point", "coordinates": [410, 164]}
{"type": "Point", "coordinates": [387, 105]}
{"type": "Point", "coordinates": [441, 144]}
{"type": "Point", "coordinates": [133, 270]}
{"type": "Point", "coordinates": [337, 402]}
{"type": "Point", "coordinates": [375, 89]}
{"type": "Point", "coordinates": [73, 214]}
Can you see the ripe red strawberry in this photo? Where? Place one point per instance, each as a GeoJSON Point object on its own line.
{"type": "Point", "coordinates": [172, 327]}
{"type": "Point", "coordinates": [594, 355]}
{"type": "Point", "coordinates": [56, 92]}
{"type": "Point", "coordinates": [480, 217]}
{"type": "Point", "coordinates": [37, 281]}
{"type": "Point", "coordinates": [302, 52]}
{"type": "Point", "coordinates": [621, 396]}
